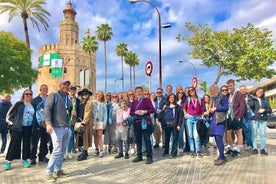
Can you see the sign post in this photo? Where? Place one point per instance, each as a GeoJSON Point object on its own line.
{"type": "Point", "coordinates": [148, 70]}
{"type": "Point", "coordinates": [195, 82]}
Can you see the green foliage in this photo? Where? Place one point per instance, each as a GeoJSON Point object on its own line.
{"type": "Point", "coordinates": [121, 50]}
{"type": "Point", "coordinates": [203, 86]}
{"type": "Point", "coordinates": [89, 44]}
{"type": "Point", "coordinates": [245, 53]}
{"type": "Point", "coordinates": [15, 65]}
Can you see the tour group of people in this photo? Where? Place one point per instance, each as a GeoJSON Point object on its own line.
{"type": "Point", "coordinates": [137, 121]}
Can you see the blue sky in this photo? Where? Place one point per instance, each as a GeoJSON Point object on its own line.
{"type": "Point", "coordinates": [136, 25]}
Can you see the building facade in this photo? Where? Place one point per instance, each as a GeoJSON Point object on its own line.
{"type": "Point", "coordinates": [66, 59]}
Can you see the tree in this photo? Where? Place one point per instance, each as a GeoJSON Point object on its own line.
{"type": "Point", "coordinates": [135, 63]}
{"type": "Point", "coordinates": [131, 59]}
{"type": "Point", "coordinates": [104, 33]}
{"type": "Point", "coordinates": [121, 50]}
{"type": "Point", "coordinates": [15, 65]}
{"type": "Point", "coordinates": [90, 45]}
{"type": "Point", "coordinates": [245, 53]}
{"type": "Point", "coordinates": [27, 9]}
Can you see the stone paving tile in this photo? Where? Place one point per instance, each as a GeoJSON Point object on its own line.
{"type": "Point", "coordinates": [253, 169]}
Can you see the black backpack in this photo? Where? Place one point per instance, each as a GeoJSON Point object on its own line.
{"type": "Point", "coordinates": [201, 127]}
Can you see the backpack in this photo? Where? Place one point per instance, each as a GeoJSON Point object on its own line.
{"type": "Point", "coordinates": [201, 128]}
{"type": "Point", "coordinates": [39, 110]}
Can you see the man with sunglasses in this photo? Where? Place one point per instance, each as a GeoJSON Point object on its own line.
{"type": "Point", "coordinates": [159, 103]}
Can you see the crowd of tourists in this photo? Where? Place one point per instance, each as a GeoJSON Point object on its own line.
{"type": "Point", "coordinates": [70, 120]}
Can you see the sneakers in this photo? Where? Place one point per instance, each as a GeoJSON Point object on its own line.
{"type": "Point", "coordinates": [263, 152]}
{"type": "Point", "coordinates": [192, 154]}
{"type": "Point", "coordinates": [199, 155]}
{"type": "Point", "coordinates": [255, 152]}
{"type": "Point", "coordinates": [7, 166]}
{"type": "Point", "coordinates": [132, 151]}
{"type": "Point", "coordinates": [219, 162]}
{"type": "Point", "coordinates": [96, 153]}
{"type": "Point", "coordinates": [236, 153]}
{"type": "Point", "coordinates": [46, 160]}
{"type": "Point", "coordinates": [2, 154]}
{"type": "Point", "coordinates": [60, 174]}
{"type": "Point", "coordinates": [101, 154]}
{"type": "Point", "coordinates": [156, 146]}
{"type": "Point", "coordinates": [26, 163]}
{"type": "Point", "coordinates": [137, 159]}
{"type": "Point", "coordinates": [50, 178]}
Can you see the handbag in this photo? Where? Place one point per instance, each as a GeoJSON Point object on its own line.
{"type": "Point", "coordinates": [79, 128]}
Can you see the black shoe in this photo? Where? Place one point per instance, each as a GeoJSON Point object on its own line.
{"type": "Point", "coordinates": [156, 146]}
{"type": "Point", "coordinates": [263, 152]}
{"type": "Point", "coordinates": [82, 157]}
{"type": "Point", "coordinates": [33, 161]}
{"type": "Point", "coordinates": [192, 154]}
{"type": "Point", "coordinates": [74, 151]}
{"type": "Point", "coordinates": [229, 152]}
{"type": "Point", "coordinates": [199, 155]}
{"type": "Point", "coordinates": [255, 152]}
{"type": "Point", "coordinates": [137, 159]}
{"type": "Point", "coordinates": [165, 154]}
{"type": "Point", "coordinates": [149, 160]}
{"type": "Point", "coordinates": [172, 156]}
{"type": "Point", "coordinates": [120, 155]}
{"type": "Point", "coordinates": [46, 160]}
{"type": "Point", "coordinates": [236, 153]}
{"type": "Point", "coordinates": [126, 156]}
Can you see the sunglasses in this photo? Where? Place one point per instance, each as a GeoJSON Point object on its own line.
{"type": "Point", "coordinates": [130, 94]}
{"type": "Point", "coordinates": [28, 94]}
{"type": "Point", "coordinates": [114, 96]}
{"type": "Point", "coordinates": [224, 90]}
{"type": "Point", "coordinates": [84, 94]}
{"type": "Point", "coordinates": [159, 92]}
{"type": "Point", "coordinates": [108, 95]}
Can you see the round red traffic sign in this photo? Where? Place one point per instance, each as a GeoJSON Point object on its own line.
{"type": "Point", "coordinates": [149, 68]}
{"type": "Point", "coordinates": [195, 82]}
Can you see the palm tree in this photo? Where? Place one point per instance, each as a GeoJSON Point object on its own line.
{"type": "Point", "coordinates": [27, 9]}
{"type": "Point", "coordinates": [90, 45]}
{"type": "Point", "coordinates": [135, 63]}
{"type": "Point", "coordinates": [104, 33]}
{"type": "Point", "coordinates": [131, 59]}
{"type": "Point", "coordinates": [121, 50]}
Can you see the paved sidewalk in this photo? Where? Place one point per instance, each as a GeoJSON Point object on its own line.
{"type": "Point", "coordinates": [255, 169]}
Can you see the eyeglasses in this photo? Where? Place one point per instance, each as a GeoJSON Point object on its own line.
{"type": "Point", "coordinates": [224, 90]}
{"type": "Point", "coordinates": [146, 93]}
{"type": "Point", "coordinates": [28, 94]}
{"type": "Point", "coordinates": [114, 96]}
{"type": "Point", "coordinates": [159, 92]}
{"type": "Point", "coordinates": [108, 95]}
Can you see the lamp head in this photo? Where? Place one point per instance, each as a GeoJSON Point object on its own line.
{"type": "Point", "coordinates": [132, 1]}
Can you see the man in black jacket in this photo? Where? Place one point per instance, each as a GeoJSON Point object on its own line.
{"type": "Point", "coordinates": [5, 105]}
{"type": "Point", "coordinates": [39, 132]}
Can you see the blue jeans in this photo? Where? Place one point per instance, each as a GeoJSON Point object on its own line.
{"type": "Point", "coordinates": [4, 134]}
{"type": "Point", "coordinates": [71, 141]}
{"type": "Point", "coordinates": [60, 139]}
{"type": "Point", "coordinates": [194, 139]}
{"type": "Point", "coordinates": [261, 125]}
{"type": "Point", "coordinates": [246, 128]}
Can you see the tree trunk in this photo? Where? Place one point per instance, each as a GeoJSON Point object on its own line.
{"type": "Point", "coordinates": [134, 84]}
{"type": "Point", "coordinates": [26, 31]}
{"type": "Point", "coordinates": [130, 77]}
{"type": "Point", "coordinates": [105, 69]}
{"type": "Point", "coordinates": [219, 75]}
{"type": "Point", "coordinates": [123, 85]}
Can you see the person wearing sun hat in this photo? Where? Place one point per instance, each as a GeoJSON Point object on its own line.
{"type": "Point", "coordinates": [85, 114]}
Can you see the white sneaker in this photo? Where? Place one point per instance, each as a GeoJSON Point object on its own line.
{"type": "Point", "coordinates": [2, 154]}
{"type": "Point", "coordinates": [101, 154]}
{"type": "Point", "coordinates": [131, 151]}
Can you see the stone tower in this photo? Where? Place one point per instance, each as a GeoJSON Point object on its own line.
{"type": "Point", "coordinates": [66, 59]}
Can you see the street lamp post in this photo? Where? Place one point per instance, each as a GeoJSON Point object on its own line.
{"type": "Point", "coordinates": [181, 61]}
{"type": "Point", "coordinates": [115, 83]}
{"type": "Point", "coordinates": [159, 35]}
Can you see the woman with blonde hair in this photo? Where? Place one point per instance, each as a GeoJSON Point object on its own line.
{"type": "Point", "coordinates": [100, 120]}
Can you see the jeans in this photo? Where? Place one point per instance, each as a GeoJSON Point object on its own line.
{"type": "Point", "coordinates": [121, 142]}
{"type": "Point", "coordinates": [246, 128]}
{"type": "Point", "coordinates": [39, 133]}
{"type": "Point", "coordinates": [194, 139]}
{"type": "Point", "coordinates": [181, 136]}
{"type": "Point", "coordinates": [60, 139]}
{"type": "Point", "coordinates": [261, 125]}
{"type": "Point", "coordinates": [139, 133]}
{"type": "Point", "coordinates": [71, 144]}
{"type": "Point", "coordinates": [4, 134]}
{"type": "Point", "coordinates": [219, 142]}
{"type": "Point", "coordinates": [170, 131]}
